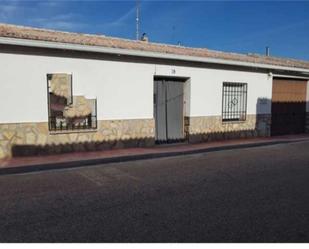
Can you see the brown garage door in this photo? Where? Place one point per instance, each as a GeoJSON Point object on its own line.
{"type": "Point", "coordinates": [288, 106]}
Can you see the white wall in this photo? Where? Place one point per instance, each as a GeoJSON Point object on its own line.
{"type": "Point", "coordinates": [206, 88]}
{"type": "Point", "coordinates": [124, 90]}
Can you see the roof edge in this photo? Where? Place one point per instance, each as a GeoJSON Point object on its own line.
{"type": "Point", "coordinates": [145, 54]}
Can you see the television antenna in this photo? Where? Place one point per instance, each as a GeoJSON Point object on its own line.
{"type": "Point", "coordinates": [137, 18]}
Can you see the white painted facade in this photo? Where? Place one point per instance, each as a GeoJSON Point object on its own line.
{"type": "Point", "coordinates": [124, 90]}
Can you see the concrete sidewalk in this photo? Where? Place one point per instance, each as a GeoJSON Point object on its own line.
{"type": "Point", "coordinates": [80, 159]}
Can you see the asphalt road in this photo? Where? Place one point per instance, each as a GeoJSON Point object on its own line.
{"type": "Point", "coordinates": [246, 195]}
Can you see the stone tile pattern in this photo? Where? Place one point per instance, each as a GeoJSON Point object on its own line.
{"type": "Point", "coordinates": [212, 128]}
{"type": "Point", "coordinates": [110, 134]}
{"type": "Point", "coordinates": [120, 134]}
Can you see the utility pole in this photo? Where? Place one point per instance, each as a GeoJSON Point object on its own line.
{"type": "Point", "coordinates": [137, 19]}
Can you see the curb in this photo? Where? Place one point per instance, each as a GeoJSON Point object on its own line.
{"type": "Point", "coordinates": [92, 162]}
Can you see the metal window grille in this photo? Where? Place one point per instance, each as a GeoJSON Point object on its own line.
{"type": "Point", "coordinates": [56, 120]}
{"type": "Point", "coordinates": [61, 123]}
{"type": "Point", "coordinates": [234, 101]}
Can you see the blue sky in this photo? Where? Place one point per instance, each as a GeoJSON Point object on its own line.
{"type": "Point", "coordinates": [243, 26]}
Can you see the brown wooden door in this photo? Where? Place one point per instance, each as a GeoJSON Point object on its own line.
{"type": "Point", "coordinates": [288, 106]}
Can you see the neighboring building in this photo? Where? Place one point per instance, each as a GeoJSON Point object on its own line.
{"type": "Point", "coordinates": [63, 92]}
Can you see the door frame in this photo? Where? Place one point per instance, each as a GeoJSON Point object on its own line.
{"type": "Point", "coordinates": [181, 80]}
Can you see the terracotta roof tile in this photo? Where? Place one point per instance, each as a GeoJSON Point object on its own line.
{"type": "Point", "coordinates": [21, 32]}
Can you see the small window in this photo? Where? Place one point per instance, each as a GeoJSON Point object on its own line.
{"type": "Point", "coordinates": [234, 101]}
{"type": "Point", "coordinates": [68, 112]}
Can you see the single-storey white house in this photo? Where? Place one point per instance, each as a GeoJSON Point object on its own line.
{"type": "Point", "coordinates": [63, 92]}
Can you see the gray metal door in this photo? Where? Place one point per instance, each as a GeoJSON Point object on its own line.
{"type": "Point", "coordinates": [168, 107]}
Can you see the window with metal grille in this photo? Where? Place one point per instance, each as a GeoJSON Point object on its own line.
{"type": "Point", "coordinates": [68, 112]}
{"type": "Point", "coordinates": [234, 101]}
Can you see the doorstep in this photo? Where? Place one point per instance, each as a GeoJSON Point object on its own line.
{"type": "Point", "coordinates": [81, 159]}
